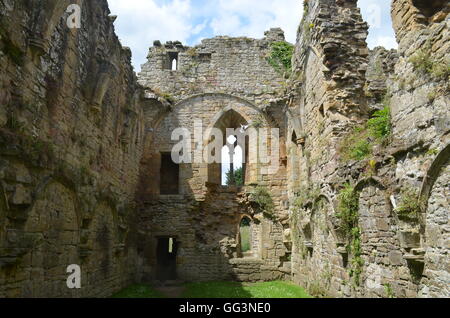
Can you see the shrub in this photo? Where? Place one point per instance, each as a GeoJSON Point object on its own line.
{"type": "Point", "coordinates": [422, 61]}
{"type": "Point", "coordinates": [358, 144]}
{"type": "Point", "coordinates": [441, 70]}
{"type": "Point", "coordinates": [262, 197]}
{"type": "Point", "coordinates": [280, 56]}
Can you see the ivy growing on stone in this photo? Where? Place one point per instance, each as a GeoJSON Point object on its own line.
{"type": "Point", "coordinates": [349, 216]}
{"type": "Point", "coordinates": [358, 144]}
{"type": "Point", "coordinates": [280, 57]}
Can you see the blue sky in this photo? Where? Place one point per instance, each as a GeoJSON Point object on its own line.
{"type": "Point", "coordinates": [140, 22]}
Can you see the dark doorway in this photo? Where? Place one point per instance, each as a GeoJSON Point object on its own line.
{"type": "Point", "coordinates": [169, 174]}
{"type": "Point", "coordinates": [166, 256]}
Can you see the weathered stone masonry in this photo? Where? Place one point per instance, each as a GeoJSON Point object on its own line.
{"type": "Point", "coordinates": [85, 178]}
{"type": "Point", "coordinates": [71, 137]}
{"type": "Point", "coordinates": [398, 258]}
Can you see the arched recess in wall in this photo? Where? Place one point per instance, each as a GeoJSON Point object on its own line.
{"type": "Point", "coordinates": [102, 246]}
{"type": "Point", "coordinates": [435, 194]}
{"type": "Point", "coordinates": [53, 227]}
{"type": "Point", "coordinates": [433, 172]}
{"type": "Point", "coordinates": [317, 230]}
{"type": "Point", "coordinates": [379, 237]}
{"type": "Point", "coordinates": [248, 237]}
{"type": "Point", "coordinates": [44, 20]}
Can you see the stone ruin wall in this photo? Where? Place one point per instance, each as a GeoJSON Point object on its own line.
{"type": "Point", "coordinates": [81, 138]}
{"type": "Point", "coordinates": [219, 77]}
{"type": "Point", "coordinates": [399, 258]}
{"type": "Point", "coordinates": [71, 136]}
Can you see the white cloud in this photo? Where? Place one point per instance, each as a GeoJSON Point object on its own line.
{"type": "Point", "coordinates": [140, 22]}
{"type": "Point", "coordinates": [251, 18]}
{"type": "Point", "coordinates": [389, 42]}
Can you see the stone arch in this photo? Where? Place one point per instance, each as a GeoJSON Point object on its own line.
{"type": "Point", "coordinates": [433, 173]}
{"type": "Point", "coordinates": [54, 228]}
{"type": "Point", "coordinates": [101, 246]}
{"type": "Point", "coordinates": [45, 18]}
{"type": "Point", "coordinates": [436, 192]}
{"type": "Point", "coordinates": [229, 117]}
{"type": "Point", "coordinates": [381, 249]}
{"type": "Point", "coordinates": [252, 237]}
{"type": "Point", "coordinates": [331, 218]}
{"type": "Point", "coordinates": [324, 265]}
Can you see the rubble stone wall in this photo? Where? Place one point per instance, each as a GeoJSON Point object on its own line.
{"type": "Point", "coordinates": [82, 140]}
{"type": "Point", "coordinates": [71, 137]}
{"type": "Point", "coordinates": [391, 256]}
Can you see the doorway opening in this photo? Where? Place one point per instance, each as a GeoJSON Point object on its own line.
{"type": "Point", "coordinates": [166, 256]}
{"type": "Point", "coordinates": [245, 237]}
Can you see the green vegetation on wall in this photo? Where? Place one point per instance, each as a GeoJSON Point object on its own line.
{"type": "Point", "coordinates": [280, 56]}
{"type": "Point", "coordinates": [423, 62]}
{"type": "Point", "coordinates": [348, 215]}
{"type": "Point", "coordinates": [410, 206]}
{"type": "Point", "coordinates": [264, 200]}
{"type": "Point", "coordinates": [358, 144]}
{"type": "Point", "coordinates": [380, 124]}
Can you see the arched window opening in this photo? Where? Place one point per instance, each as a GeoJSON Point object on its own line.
{"type": "Point", "coordinates": [174, 64]}
{"type": "Point", "coordinates": [171, 62]}
{"type": "Point", "coordinates": [232, 169]}
{"type": "Point", "coordinates": [245, 237]}
{"type": "Point", "coordinates": [232, 163]}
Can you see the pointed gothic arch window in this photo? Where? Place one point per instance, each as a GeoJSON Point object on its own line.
{"type": "Point", "coordinates": [234, 151]}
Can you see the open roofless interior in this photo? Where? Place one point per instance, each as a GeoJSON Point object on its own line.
{"type": "Point", "coordinates": [333, 158]}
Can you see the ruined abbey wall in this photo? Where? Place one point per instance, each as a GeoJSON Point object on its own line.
{"type": "Point", "coordinates": [71, 135]}
{"type": "Point", "coordinates": [388, 255]}
{"type": "Point", "coordinates": [222, 83]}
{"type": "Point", "coordinates": [84, 143]}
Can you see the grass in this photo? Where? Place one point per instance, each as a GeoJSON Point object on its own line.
{"type": "Point", "coordinates": [245, 238]}
{"type": "Point", "coordinates": [138, 291]}
{"type": "Point", "coordinates": [276, 289]}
